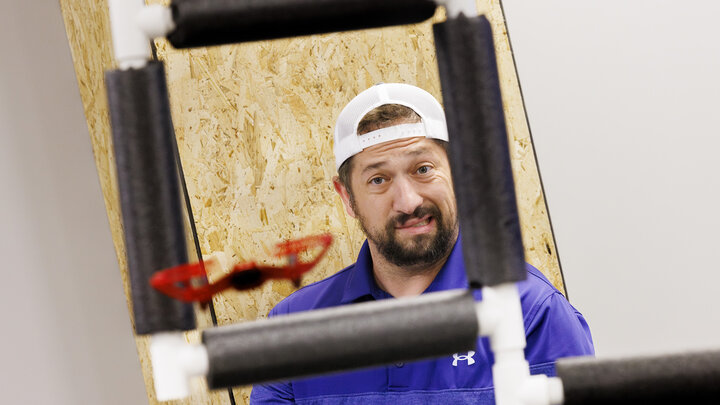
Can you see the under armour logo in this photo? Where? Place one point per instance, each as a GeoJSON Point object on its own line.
{"type": "Point", "coordinates": [467, 358]}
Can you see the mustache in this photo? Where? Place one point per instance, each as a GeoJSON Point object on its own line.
{"type": "Point", "coordinates": [419, 212]}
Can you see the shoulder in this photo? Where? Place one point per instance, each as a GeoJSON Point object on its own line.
{"type": "Point", "coordinates": [540, 297]}
{"type": "Point", "coordinates": [554, 328]}
{"type": "Point", "coordinates": [325, 293]}
{"type": "Point", "coordinates": [536, 288]}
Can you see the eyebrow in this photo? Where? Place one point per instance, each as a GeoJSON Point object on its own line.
{"type": "Point", "coordinates": [374, 166]}
{"type": "Point", "coordinates": [415, 152]}
{"type": "Point", "coordinates": [419, 151]}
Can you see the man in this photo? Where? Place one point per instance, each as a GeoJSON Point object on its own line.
{"type": "Point", "coordinates": [394, 178]}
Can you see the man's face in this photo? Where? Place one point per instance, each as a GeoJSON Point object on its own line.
{"type": "Point", "coordinates": [402, 196]}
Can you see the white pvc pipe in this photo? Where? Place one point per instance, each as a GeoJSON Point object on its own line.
{"type": "Point", "coordinates": [174, 363]}
{"type": "Point", "coordinates": [501, 319]}
{"type": "Point", "coordinates": [556, 391]}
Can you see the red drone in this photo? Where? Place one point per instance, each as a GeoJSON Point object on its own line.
{"type": "Point", "coordinates": [188, 282]}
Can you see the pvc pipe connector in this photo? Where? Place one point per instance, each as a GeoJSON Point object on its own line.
{"type": "Point", "coordinates": [131, 45]}
{"type": "Point", "coordinates": [501, 319]}
{"type": "Point", "coordinates": [541, 390]}
{"type": "Point", "coordinates": [174, 363]}
{"type": "Point", "coordinates": [453, 8]}
{"type": "Point", "coordinates": [155, 21]}
{"type": "Point", "coordinates": [510, 373]}
{"type": "Point", "coordinates": [133, 25]}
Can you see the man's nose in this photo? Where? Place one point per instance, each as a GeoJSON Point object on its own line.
{"type": "Point", "coordinates": [406, 196]}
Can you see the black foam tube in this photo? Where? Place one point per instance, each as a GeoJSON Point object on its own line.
{"type": "Point", "coordinates": [341, 338]}
{"type": "Point", "coordinates": [149, 192]}
{"type": "Point", "coordinates": [692, 378]}
{"type": "Point", "coordinates": [216, 22]}
{"type": "Point", "coordinates": [479, 155]}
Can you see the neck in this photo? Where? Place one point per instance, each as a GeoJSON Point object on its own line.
{"type": "Point", "coordinates": [405, 281]}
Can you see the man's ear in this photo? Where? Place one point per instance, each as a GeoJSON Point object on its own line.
{"type": "Point", "coordinates": [344, 196]}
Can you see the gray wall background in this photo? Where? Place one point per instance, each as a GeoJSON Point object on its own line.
{"type": "Point", "coordinates": [621, 97]}
{"type": "Point", "coordinates": [66, 338]}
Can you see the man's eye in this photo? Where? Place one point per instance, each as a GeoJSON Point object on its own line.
{"type": "Point", "coordinates": [423, 169]}
{"type": "Point", "coordinates": [377, 180]}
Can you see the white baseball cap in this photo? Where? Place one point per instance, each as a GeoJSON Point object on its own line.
{"type": "Point", "coordinates": [348, 143]}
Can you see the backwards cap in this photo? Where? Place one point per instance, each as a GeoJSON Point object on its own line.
{"type": "Point", "coordinates": [348, 143]}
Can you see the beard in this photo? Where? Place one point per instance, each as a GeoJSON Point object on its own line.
{"type": "Point", "coordinates": [424, 249]}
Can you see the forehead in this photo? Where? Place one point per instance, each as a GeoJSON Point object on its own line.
{"type": "Point", "coordinates": [397, 152]}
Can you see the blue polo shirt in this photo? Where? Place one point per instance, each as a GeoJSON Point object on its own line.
{"type": "Point", "coordinates": [553, 329]}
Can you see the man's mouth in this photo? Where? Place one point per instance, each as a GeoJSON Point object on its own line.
{"type": "Point", "coordinates": [416, 223]}
{"type": "Point", "coordinates": [422, 223]}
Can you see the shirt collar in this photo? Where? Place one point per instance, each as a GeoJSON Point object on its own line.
{"type": "Point", "coordinates": [361, 285]}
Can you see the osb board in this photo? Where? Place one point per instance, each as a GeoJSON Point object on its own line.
{"type": "Point", "coordinates": [254, 124]}
{"type": "Point", "coordinates": [88, 31]}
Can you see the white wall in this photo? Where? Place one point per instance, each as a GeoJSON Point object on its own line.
{"type": "Point", "coordinates": [66, 335]}
{"type": "Point", "coordinates": [623, 99]}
